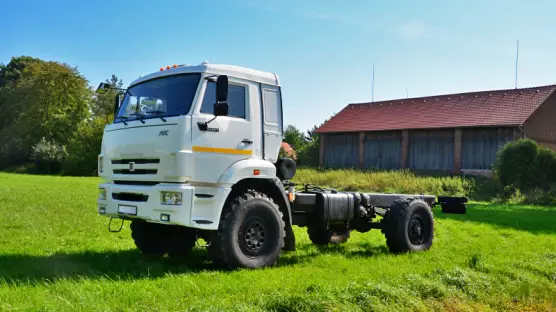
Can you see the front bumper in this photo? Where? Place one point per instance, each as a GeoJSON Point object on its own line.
{"type": "Point", "coordinates": [200, 206]}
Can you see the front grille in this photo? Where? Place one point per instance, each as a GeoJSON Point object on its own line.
{"type": "Point", "coordinates": [130, 197]}
{"type": "Point", "coordinates": [143, 183]}
{"type": "Point", "coordinates": [136, 161]}
{"type": "Point", "coordinates": [136, 171]}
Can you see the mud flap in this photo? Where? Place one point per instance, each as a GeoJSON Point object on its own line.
{"type": "Point", "coordinates": [453, 205]}
{"type": "Point", "coordinates": [289, 241]}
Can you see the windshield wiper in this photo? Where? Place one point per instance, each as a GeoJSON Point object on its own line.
{"type": "Point", "coordinates": [158, 112]}
{"type": "Point", "coordinates": [138, 114]}
{"type": "Point", "coordinates": [123, 118]}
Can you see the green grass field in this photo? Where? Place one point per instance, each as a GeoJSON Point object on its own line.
{"type": "Point", "coordinates": [56, 254]}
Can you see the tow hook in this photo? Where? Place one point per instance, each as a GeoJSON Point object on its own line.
{"type": "Point", "coordinates": [118, 230]}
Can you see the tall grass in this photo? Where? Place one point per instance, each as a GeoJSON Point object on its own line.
{"type": "Point", "coordinates": [386, 181]}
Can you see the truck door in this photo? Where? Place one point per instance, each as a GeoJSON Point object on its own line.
{"type": "Point", "coordinates": [272, 121]}
{"type": "Point", "coordinates": [228, 139]}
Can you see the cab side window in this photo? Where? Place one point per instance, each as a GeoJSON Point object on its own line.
{"type": "Point", "coordinates": [236, 100]}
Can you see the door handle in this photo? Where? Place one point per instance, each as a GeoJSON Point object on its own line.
{"type": "Point", "coordinates": [247, 141]}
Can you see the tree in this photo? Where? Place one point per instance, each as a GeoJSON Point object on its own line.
{"type": "Point", "coordinates": [46, 100]}
{"type": "Point", "coordinates": [84, 147]}
{"type": "Point", "coordinates": [10, 74]}
{"type": "Point", "coordinates": [294, 137]}
{"type": "Point", "coordinates": [55, 99]}
{"type": "Point", "coordinates": [102, 105]}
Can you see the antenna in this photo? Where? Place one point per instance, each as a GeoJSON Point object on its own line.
{"type": "Point", "coordinates": [516, 61]}
{"type": "Point", "coordinates": [406, 93]}
{"type": "Point", "coordinates": [373, 88]}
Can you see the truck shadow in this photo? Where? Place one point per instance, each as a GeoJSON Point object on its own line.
{"type": "Point", "coordinates": [537, 220]}
{"type": "Point", "coordinates": [130, 264]}
{"type": "Point", "coordinates": [308, 252]}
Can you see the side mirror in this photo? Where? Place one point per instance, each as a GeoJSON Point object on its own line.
{"type": "Point", "coordinates": [221, 109]}
{"type": "Point", "coordinates": [221, 105]}
{"type": "Point", "coordinates": [222, 88]}
{"type": "Point", "coordinates": [103, 88]}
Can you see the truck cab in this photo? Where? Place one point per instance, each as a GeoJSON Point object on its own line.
{"type": "Point", "coordinates": [168, 157]}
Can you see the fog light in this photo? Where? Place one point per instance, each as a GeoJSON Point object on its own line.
{"type": "Point", "coordinates": [102, 210]}
{"type": "Point", "coordinates": [102, 194]}
{"type": "Point", "coordinates": [170, 198]}
{"type": "Point", "coordinates": [165, 217]}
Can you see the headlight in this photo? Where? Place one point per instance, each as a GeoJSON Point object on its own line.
{"type": "Point", "coordinates": [170, 198]}
{"type": "Point", "coordinates": [102, 194]}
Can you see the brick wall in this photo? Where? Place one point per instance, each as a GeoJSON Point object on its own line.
{"type": "Point", "coordinates": [541, 126]}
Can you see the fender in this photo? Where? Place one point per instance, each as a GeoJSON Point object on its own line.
{"type": "Point", "coordinates": [247, 172]}
{"type": "Point", "coordinates": [247, 169]}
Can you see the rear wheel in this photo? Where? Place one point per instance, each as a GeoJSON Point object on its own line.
{"type": "Point", "coordinates": [408, 226]}
{"type": "Point", "coordinates": [160, 239]}
{"type": "Point", "coordinates": [251, 233]}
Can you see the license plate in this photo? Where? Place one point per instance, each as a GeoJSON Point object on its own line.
{"type": "Point", "coordinates": [131, 210]}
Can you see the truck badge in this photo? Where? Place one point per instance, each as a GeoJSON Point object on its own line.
{"type": "Point", "coordinates": [131, 166]}
{"type": "Point", "coordinates": [163, 132]}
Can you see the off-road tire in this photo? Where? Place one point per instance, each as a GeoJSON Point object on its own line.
{"type": "Point", "coordinates": [250, 235]}
{"type": "Point", "coordinates": [160, 239]}
{"type": "Point", "coordinates": [401, 226]}
{"type": "Point", "coordinates": [321, 236]}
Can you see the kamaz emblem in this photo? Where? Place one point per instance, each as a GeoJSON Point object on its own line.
{"type": "Point", "coordinates": [131, 166]}
{"type": "Point", "coordinates": [163, 132]}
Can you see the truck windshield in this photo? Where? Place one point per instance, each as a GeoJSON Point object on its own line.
{"type": "Point", "coordinates": [161, 97]}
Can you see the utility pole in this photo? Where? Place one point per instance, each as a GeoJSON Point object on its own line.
{"type": "Point", "coordinates": [516, 61]}
{"type": "Point", "coordinates": [373, 87]}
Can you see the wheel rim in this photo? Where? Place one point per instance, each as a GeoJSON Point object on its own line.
{"type": "Point", "coordinates": [253, 236]}
{"type": "Point", "coordinates": [416, 230]}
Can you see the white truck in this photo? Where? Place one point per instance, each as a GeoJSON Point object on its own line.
{"type": "Point", "coordinates": [193, 153]}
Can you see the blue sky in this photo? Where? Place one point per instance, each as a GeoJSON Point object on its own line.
{"type": "Point", "coordinates": [322, 50]}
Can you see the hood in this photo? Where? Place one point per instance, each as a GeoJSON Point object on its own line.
{"type": "Point", "coordinates": [146, 151]}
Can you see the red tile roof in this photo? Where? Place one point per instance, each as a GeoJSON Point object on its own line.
{"type": "Point", "coordinates": [484, 108]}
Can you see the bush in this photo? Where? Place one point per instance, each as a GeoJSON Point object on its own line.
{"type": "Point", "coordinates": [309, 155]}
{"type": "Point", "coordinates": [545, 168]}
{"type": "Point", "coordinates": [515, 163]}
{"type": "Point", "coordinates": [526, 172]}
{"type": "Point", "coordinates": [84, 148]}
{"type": "Point", "coordinates": [48, 156]}
{"type": "Point", "coordinates": [12, 151]}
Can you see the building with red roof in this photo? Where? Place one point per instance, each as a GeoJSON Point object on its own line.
{"type": "Point", "coordinates": [451, 132]}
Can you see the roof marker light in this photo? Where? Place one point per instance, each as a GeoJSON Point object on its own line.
{"type": "Point", "coordinates": [161, 68]}
{"type": "Point", "coordinates": [175, 66]}
{"type": "Point", "coordinates": [168, 67]}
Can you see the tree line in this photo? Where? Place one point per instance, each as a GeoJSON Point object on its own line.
{"type": "Point", "coordinates": [52, 120]}
{"type": "Point", "coordinates": [50, 117]}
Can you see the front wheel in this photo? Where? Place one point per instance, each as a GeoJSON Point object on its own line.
{"type": "Point", "coordinates": [408, 226]}
{"type": "Point", "coordinates": [251, 233]}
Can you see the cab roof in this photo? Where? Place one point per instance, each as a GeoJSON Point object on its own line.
{"type": "Point", "coordinates": [216, 69]}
